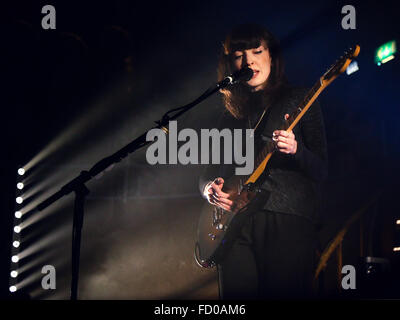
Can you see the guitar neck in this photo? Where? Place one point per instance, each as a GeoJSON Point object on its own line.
{"type": "Point", "coordinates": [308, 100]}
{"type": "Point", "coordinates": [267, 151]}
{"type": "Point", "coordinates": [331, 74]}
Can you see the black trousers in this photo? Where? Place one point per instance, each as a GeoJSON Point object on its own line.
{"type": "Point", "coordinates": [273, 258]}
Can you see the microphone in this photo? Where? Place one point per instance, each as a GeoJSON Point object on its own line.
{"type": "Point", "coordinates": [244, 74]}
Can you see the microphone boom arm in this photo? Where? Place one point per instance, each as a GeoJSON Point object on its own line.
{"type": "Point", "coordinates": [77, 185]}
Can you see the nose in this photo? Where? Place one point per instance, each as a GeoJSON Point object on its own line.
{"type": "Point", "coordinates": [248, 60]}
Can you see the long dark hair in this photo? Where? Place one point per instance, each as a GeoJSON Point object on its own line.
{"type": "Point", "coordinates": [237, 97]}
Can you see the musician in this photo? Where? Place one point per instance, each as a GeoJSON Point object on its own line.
{"type": "Point", "coordinates": [274, 255]}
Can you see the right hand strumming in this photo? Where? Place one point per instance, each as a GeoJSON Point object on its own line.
{"type": "Point", "coordinates": [214, 194]}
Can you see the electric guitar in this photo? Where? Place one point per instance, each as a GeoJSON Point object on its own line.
{"type": "Point", "coordinates": [217, 228]}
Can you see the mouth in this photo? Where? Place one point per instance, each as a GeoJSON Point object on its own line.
{"type": "Point", "coordinates": [255, 74]}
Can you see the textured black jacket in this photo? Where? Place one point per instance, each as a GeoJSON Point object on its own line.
{"type": "Point", "coordinates": [293, 180]}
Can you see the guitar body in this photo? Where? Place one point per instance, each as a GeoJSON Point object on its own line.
{"type": "Point", "coordinates": [218, 229]}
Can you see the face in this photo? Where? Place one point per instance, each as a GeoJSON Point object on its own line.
{"type": "Point", "coordinates": [257, 59]}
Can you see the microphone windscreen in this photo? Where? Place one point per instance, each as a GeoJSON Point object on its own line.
{"type": "Point", "coordinates": [245, 74]}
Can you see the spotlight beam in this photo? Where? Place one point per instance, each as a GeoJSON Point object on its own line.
{"type": "Point", "coordinates": [78, 186]}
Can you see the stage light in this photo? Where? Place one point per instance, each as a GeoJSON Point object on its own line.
{"type": "Point", "coordinates": [396, 249]}
{"type": "Point", "coordinates": [397, 221]}
{"type": "Point", "coordinates": [15, 259]}
{"type": "Point", "coordinates": [14, 274]}
{"type": "Point", "coordinates": [13, 288]}
{"type": "Point", "coordinates": [385, 52]}
{"type": "Point", "coordinates": [19, 200]}
{"type": "Point", "coordinates": [16, 244]}
{"type": "Point", "coordinates": [21, 171]}
{"type": "Point", "coordinates": [18, 214]}
{"type": "Point", "coordinates": [20, 185]}
{"type": "Point", "coordinates": [17, 229]}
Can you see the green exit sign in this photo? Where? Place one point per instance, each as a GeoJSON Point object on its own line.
{"type": "Point", "coordinates": [385, 52]}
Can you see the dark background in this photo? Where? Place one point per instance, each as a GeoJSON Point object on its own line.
{"type": "Point", "coordinates": [79, 93]}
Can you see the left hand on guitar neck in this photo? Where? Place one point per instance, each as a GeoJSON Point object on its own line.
{"type": "Point", "coordinates": [285, 140]}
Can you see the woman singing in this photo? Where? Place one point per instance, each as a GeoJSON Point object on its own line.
{"type": "Point", "coordinates": [274, 255]}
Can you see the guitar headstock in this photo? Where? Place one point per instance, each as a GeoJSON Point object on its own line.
{"type": "Point", "coordinates": [339, 66]}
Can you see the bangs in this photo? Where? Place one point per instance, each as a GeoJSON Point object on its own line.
{"type": "Point", "coordinates": [243, 38]}
{"type": "Point", "coordinates": [243, 44]}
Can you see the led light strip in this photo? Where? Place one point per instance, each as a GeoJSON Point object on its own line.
{"type": "Point", "coordinates": [16, 242]}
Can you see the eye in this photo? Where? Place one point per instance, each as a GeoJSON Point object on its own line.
{"type": "Point", "coordinates": [258, 51]}
{"type": "Point", "coordinates": [237, 57]}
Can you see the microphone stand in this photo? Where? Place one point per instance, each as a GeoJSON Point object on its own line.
{"type": "Point", "coordinates": [77, 185]}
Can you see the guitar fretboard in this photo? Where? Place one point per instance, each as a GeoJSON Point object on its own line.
{"type": "Point", "coordinates": [294, 118]}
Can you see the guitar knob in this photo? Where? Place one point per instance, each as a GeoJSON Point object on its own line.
{"type": "Point", "coordinates": [212, 236]}
{"type": "Point", "coordinates": [220, 226]}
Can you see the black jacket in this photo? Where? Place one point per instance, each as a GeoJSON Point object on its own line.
{"type": "Point", "coordinates": [293, 180]}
